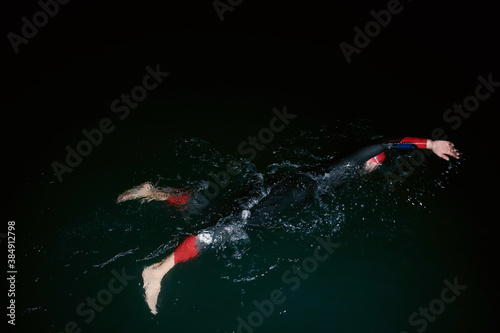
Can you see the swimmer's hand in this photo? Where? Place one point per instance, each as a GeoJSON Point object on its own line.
{"type": "Point", "coordinates": [443, 149]}
{"type": "Point", "coordinates": [370, 166]}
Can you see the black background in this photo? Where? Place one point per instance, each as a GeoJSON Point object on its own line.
{"type": "Point", "coordinates": [65, 77]}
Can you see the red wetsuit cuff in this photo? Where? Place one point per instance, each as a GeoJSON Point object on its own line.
{"type": "Point", "coordinates": [187, 250]}
{"type": "Point", "coordinates": [379, 158]}
{"type": "Point", "coordinates": [419, 142]}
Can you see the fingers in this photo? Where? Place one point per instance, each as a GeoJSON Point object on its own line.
{"type": "Point", "coordinates": [445, 150]}
{"type": "Point", "coordinates": [121, 198]}
{"type": "Point", "coordinates": [453, 152]}
{"type": "Point", "coordinates": [444, 156]}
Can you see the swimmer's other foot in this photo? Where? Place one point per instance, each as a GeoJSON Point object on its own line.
{"type": "Point", "coordinates": [142, 191]}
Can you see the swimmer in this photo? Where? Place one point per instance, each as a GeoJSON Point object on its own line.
{"type": "Point", "coordinates": [281, 197]}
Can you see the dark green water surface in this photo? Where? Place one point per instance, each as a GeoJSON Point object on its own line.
{"type": "Point", "coordinates": [395, 246]}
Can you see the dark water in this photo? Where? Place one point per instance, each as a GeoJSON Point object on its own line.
{"type": "Point", "coordinates": [392, 252]}
{"type": "Point", "coordinates": [395, 245]}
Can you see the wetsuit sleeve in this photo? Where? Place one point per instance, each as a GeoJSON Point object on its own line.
{"type": "Point", "coordinates": [379, 159]}
{"type": "Point", "coordinates": [408, 143]}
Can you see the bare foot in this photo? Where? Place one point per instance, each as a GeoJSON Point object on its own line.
{"type": "Point", "coordinates": [152, 277]}
{"type": "Point", "coordinates": [141, 191]}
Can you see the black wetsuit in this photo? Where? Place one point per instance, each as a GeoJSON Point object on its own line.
{"type": "Point", "coordinates": [292, 192]}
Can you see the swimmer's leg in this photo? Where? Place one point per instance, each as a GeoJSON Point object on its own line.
{"type": "Point", "coordinates": [153, 275]}
{"type": "Point", "coordinates": [190, 248]}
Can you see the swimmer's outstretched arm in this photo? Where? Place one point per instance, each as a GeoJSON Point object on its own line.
{"type": "Point", "coordinates": [153, 275]}
{"type": "Point", "coordinates": [442, 148]}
